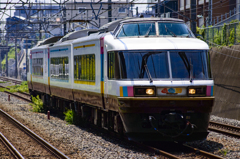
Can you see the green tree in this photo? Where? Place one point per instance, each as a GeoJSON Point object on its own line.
{"type": "Point", "coordinates": [232, 37]}
{"type": "Point", "coordinates": [11, 54]}
{"type": "Point", "coordinates": [224, 35]}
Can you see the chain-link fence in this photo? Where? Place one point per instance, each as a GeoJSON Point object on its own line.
{"type": "Point", "coordinates": [225, 35]}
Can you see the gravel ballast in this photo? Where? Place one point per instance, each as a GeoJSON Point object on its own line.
{"type": "Point", "coordinates": [77, 142]}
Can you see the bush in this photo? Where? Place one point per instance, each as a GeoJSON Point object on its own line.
{"type": "Point", "coordinates": [37, 104]}
{"type": "Point", "coordinates": [17, 88]}
{"type": "Point", "coordinates": [69, 115]}
{"type": "Point", "coordinates": [231, 37]}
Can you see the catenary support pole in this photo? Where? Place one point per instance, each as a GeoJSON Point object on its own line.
{"type": "Point", "coordinates": [193, 16]}
{"type": "Point", "coordinates": [16, 70]}
{"type": "Point", "coordinates": [109, 10]}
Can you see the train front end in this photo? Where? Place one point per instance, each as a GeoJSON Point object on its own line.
{"type": "Point", "coordinates": [159, 76]}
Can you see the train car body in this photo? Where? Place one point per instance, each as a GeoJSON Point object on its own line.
{"type": "Point", "coordinates": [150, 75]}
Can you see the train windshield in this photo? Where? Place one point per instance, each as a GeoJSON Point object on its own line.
{"type": "Point", "coordinates": [174, 29]}
{"type": "Point", "coordinates": [137, 29]}
{"type": "Point", "coordinates": [187, 65]}
{"type": "Point", "coordinates": [137, 65]}
{"type": "Point", "coordinates": [192, 65]}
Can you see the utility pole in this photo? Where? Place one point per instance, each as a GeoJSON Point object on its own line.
{"type": "Point", "coordinates": [137, 11]}
{"type": "Point", "coordinates": [193, 16]}
{"type": "Point", "coordinates": [26, 55]}
{"type": "Point", "coordinates": [127, 8]}
{"type": "Point", "coordinates": [209, 12]}
{"type": "Point", "coordinates": [1, 62]}
{"type": "Point", "coordinates": [109, 10]}
{"type": "Point", "coordinates": [64, 20]}
{"type": "Point", "coordinates": [158, 8]}
{"type": "Point", "coordinates": [16, 71]}
{"type": "Point", "coordinates": [7, 40]}
{"type": "Point", "coordinates": [238, 9]}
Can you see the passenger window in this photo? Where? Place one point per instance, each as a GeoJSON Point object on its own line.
{"type": "Point", "coordinates": [37, 66]}
{"type": "Point", "coordinates": [59, 68]}
{"type": "Point", "coordinates": [84, 68]}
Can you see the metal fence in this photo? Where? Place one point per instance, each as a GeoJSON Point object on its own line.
{"type": "Point", "coordinates": [227, 34]}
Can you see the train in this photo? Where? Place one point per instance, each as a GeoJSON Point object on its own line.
{"type": "Point", "coordinates": [146, 78]}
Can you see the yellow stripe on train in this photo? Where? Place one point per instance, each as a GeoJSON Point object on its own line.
{"type": "Point", "coordinates": [84, 82]}
{"type": "Point", "coordinates": [102, 86]}
{"type": "Point", "coordinates": [83, 46]}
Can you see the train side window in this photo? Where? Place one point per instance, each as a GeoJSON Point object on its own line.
{"type": "Point", "coordinates": [84, 67]}
{"type": "Point", "coordinates": [113, 66]}
{"type": "Point", "coordinates": [209, 65]}
{"type": "Point", "coordinates": [59, 68]}
{"type": "Point", "coordinates": [37, 65]}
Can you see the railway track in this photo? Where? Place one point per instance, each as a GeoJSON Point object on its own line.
{"type": "Point", "coordinates": [224, 129]}
{"type": "Point", "coordinates": [160, 152]}
{"type": "Point", "coordinates": [201, 152]}
{"type": "Point", "coordinates": [24, 96]}
{"type": "Point", "coordinates": [30, 134]}
{"type": "Point", "coordinates": [198, 153]}
{"type": "Point", "coordinates": [13, 80]}
{"type": "Point", "coordinates": [15, 153]}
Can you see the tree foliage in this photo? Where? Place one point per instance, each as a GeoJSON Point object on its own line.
{"type": "Point", "coordinates": [11, 54]}
{"type": "Point", "coordinates": [226, 35]}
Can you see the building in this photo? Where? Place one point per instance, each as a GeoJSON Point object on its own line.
{"type": "Point", "coordinates": [46, 18]}
{"type": "Point", "coordinates": [17, 27]}
{"type": "Point", "coordinates": [224, 11]}
{"type": "Point", "coordinates": [93, 14]}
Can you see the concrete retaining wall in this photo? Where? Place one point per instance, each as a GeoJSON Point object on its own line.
{"type": "Point", "coordinates": [226, 73]}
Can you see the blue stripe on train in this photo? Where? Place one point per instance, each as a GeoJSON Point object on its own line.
{"type": "Point", "coordinates": [102, 75]}
{"type": "Point", "coordinates": [59, 50]}
{"type": "Point", "coordinates": [125, 91]}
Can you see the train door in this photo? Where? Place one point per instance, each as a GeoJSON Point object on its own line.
{"type": "Point", "coordinates": [29, 74]}
{"type": "Point", "coordinates": [46, 66]}
{"type": "Point", "coordinates": [104, 73]}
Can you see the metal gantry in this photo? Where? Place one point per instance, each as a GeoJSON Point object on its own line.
{"type": "Point", "coordinates": [39, 20]}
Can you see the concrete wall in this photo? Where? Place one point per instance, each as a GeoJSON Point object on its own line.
{"type": "Point", "coordinates": [226, 73]}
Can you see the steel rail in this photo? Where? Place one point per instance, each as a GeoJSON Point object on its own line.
{"type": "Point", "coordinates": [10, 147]}
{"type": "Point", "coordinates": [203, 153]}
{"type": "Point", "coordinates": [16, 81]}
{"type": "Point", "coordinates": [18, 96]}
{"type": "Point", "coordinates": [26, 99]}
{"type": "Point", "coordinates": [27, 94]}
{"type": "Point", "coordinates": [157, 151]}
{"type": "Point", "coordinates": [224, 129]}
{"type": "Point", "coordinates": [37, 138]}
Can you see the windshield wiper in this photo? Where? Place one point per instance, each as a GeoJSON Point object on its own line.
{"type": "Point", "coordinates": [191, 71]}
{"type": "Point", "coordinates": [145, 67]}
{"type": "Point", "coordinates": [188, 65]}
{"type": "Point", "coordinates": [148, 72]}
{"type": "Point", "coordinates": [173, 34]}
{"type": "Point", "coordinates": [149, 29]}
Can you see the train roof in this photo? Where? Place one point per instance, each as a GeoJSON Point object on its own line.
{"type": "Point", "coordinates": [112, 25]}
{"type": "Point", "coordinates": [151, 19]}
{"type": "Point", "coordinates": [50, 40]}
{"type": "Point", "coordinates": [78, 34]}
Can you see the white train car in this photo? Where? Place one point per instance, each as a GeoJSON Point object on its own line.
{"type": "Point", "coordinates": [38, 66]}
{"type": "Point", "coordinates": [149, 78]}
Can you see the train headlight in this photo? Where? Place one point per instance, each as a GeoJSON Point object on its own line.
{"type": "Point", "coordinates": [149, 91]}
{"type": "Point", "coordinates": [192, 91]}
{"type": "Point", "coordinates": [144, 91]}
{"type": "Point", "coordinates": [197, 91]}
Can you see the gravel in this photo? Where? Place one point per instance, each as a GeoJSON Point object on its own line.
{"type": "Point", "coordinates": [78, 142]}
{"type": "Point", "coordinates": [233, 122]}
{"type": "Point", "coordinates": [73, 141]}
